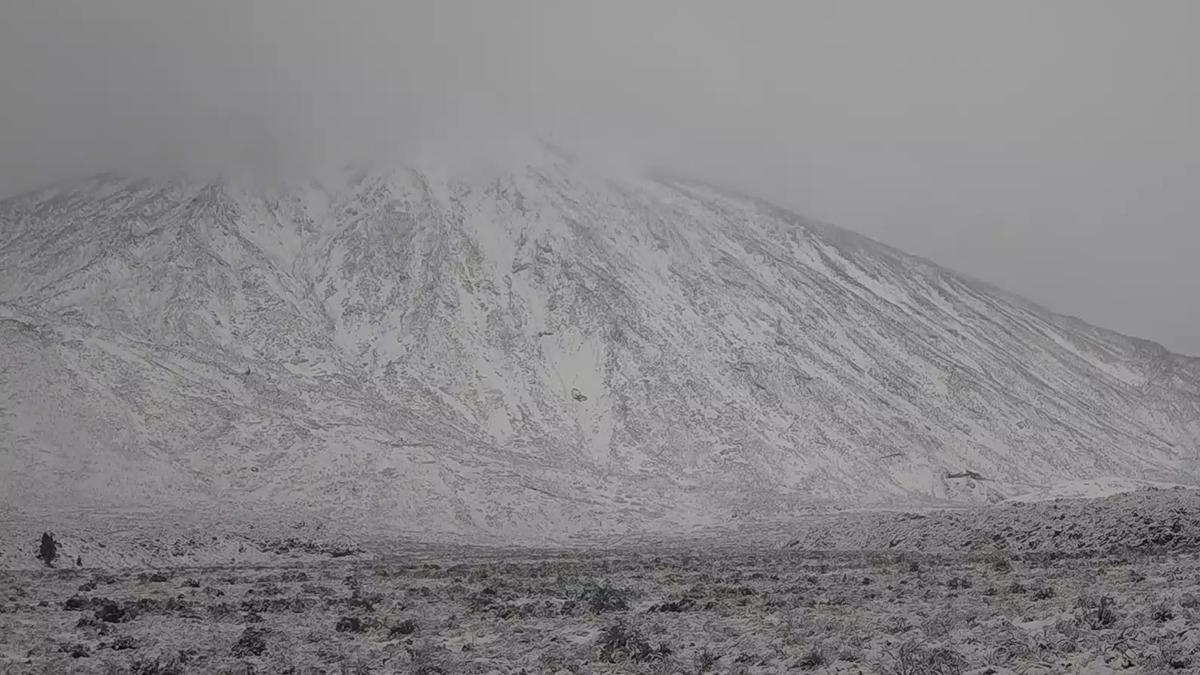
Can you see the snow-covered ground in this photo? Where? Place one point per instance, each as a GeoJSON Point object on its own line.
{"type": "Point", "coordinates": [655, 608]}
{"type": "Point", "coordinates": [1089, 489]}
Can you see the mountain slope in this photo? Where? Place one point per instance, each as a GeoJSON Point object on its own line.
{"type": "Point", "coordinates": [534, 350]}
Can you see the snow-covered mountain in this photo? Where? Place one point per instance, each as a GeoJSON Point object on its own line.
{"type": "Point", "coordinates": [533, 349]}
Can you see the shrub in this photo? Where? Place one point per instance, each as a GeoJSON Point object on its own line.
{"type": "Point", "coordinates": [940, 624]}
{"type": "Point", "coordinates": [1161, 612]}
{"type": "Point", "coordinates": [706, 660]}
{"type": "Point", "coordinates": [917, 658]}
{"type": "Point", "coordinates": [1171, 657]}
{"type": "Point", "coordinates": [619, 642]}
{"type": "Point", "coordinates": [1044, 593]}
{"type": "Point", "coordinates": [48, 551]}
{"type": "Point", "coordinates": [681, 605]}
{"type": "Point", "coordinates": [599, 598]}
{"type": "Point", "coordinates": [815, 658]}
{"type": "Point", "coordinates": [429, 659]}
{"type": "Point", "coordinates": [156, 667]}
{"type": "Point", "coordinates": [1096, 613]}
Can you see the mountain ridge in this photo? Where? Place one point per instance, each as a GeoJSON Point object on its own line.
{"type": "Point", "coordinates": [838, 230]}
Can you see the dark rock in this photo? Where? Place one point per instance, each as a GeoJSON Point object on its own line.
{"type": "Point", "coordinates": [122, 643]}
{"type": "Point", "coordinates": [251, 643]}
{"type": "Point", "coordinates": [111, 612]}
{"type": "Point", "coordinates": [406, 627]}
{"type": "Point", "coordinates": [77, 603]}
{"type": "Point", "coordinates": [77, 651]}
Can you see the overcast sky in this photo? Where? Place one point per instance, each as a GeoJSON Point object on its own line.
{"type": "Point", "coordinates": [1052, 148]}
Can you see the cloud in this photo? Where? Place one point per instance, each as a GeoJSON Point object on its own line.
{"type": "Point", "coordinates": [1048, 147]}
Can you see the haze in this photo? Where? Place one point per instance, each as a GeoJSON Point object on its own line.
{"type": "Point", "coordinates": [1050, 148]}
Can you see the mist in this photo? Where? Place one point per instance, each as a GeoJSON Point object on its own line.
{"type": "Point", "coordinates": [1049, 148]}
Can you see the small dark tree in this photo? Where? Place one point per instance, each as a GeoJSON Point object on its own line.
{"type": "Point", "coordinates": [49, 549]}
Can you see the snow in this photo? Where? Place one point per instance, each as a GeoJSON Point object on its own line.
{"type": "Point", "coordinates": [406, 345]}
{"type": "Point", "coordinates": [1094, 488]}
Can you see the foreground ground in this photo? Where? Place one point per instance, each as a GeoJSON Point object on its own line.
{"type": "Point", "coordinates": [657, 611]}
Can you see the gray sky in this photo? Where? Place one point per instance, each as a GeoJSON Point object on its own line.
{"type": "Point", "coordinates": [1051, 148]}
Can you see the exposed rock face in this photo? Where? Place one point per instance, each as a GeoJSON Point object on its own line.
{"type": "Point", "coordinates": [535, 350]}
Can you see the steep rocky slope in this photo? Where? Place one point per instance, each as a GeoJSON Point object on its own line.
{"type": "Point", "coordinates": [532, 350]}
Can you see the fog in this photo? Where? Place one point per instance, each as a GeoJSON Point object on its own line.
{"type": "Point", "coordinates": [1048, 147]}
